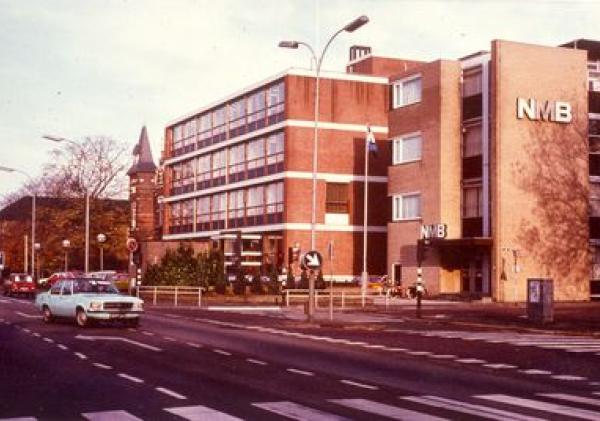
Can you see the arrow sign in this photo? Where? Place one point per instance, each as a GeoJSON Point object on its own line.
{"type": "Point", "coordinates": [312, 260]}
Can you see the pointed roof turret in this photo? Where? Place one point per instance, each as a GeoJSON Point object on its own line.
{"type": "Point", "coordinates": [143, 161]}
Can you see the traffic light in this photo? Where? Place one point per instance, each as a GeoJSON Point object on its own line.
{"type": "Point", "coordinates": [293, 255]}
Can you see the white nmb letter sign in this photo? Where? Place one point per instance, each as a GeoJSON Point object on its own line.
{"type": "Point", "coordinates": [558, 111]}
{"type": "Point", "coordinates": [434, 231]}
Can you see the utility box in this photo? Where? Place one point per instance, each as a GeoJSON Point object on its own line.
{"type": "Point", "coordinates": [540, 300]}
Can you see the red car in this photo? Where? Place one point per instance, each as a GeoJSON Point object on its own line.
{"type": "Point", "coordinates": [19, 284]}
{"type": "Point", "coordinates": [57, 276]}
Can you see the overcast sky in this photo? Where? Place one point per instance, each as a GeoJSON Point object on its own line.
{"type": "Point", "coordinates": [75, 68]}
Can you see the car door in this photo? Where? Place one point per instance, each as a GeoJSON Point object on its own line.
{"type": "Point", "coordinates": [53, 298]}
{"type": "Point", "coordinates": [67, 299]}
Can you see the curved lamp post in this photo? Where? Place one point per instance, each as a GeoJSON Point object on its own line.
{"type": "Point", "coordinates": [350, 27]}
{"type": "Point", "coordinates": [33, 200]}
{"type": "Point", "coordinates": [87, 197]}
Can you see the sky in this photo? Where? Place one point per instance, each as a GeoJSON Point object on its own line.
{"type": "Point", "coordinates": [73, 68]}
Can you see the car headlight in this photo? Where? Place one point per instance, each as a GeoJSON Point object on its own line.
{"type": "Point", "coordinates": [95, 305]}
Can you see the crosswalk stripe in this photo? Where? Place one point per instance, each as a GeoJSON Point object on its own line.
{"type": "Point", "coordinates": [571, 398]}
{"type": "Point", "coordinates": [385, 410]}
{"type": "Point", "coordinates": [110, 416]}
{"type": "Point", "coordinates": [19, 419]}
{"type": "Point", "coordinates": [296, 411]}
{"type": "Point", "coordinates": [467, 408]}
{"type": "Point", "coordinates": [201, 413]}
{"type": "Point", "coordinates": [543, 406]}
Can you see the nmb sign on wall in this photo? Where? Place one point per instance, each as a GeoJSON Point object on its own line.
{"type": "Point", "coordinates": [556, 111]}
{"type": "Point", "coordinates": [434, 231]}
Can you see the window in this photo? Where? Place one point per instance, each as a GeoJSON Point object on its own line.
{"type": "Point", "coordinates": [204, 168]}
{"type": "Point", "coordinates": [218, 168]}
{"type": "Point", "coordinates": [203, 210]}
{"type": "Point", "coordinates": [218, 206]}
{"type": "Point", "coordinates": [204, 128]}
{"type": "Point", "coordinates": [595, 200]}
{"type": "Point", "coordinates": [275, 198]}
{"type": "Point", "coordinates": [406, 206]}
{"type": "Point", "coordinates": [236, 204]}
{"type": "Point", "coordinates": [133, 214]}
{"type": "Point", "coordinates": [472, 202]}
{"type": "Point", "coordinates": [256, 109]}
{"type": "Point", "coordinates": [236, 160]}
{"type": "Point", "coordinates": [219, 129]}
{"type": "Point", "coordinates": [472, 82]}
{"type": "Point", "coordinates": [407, 91]}
{"type": "Point", "coordinates": [275, 99]}
{"type": "Point", "coordinates": [256, 158]}
{"type": "Point", "coordinates": [336, 200]}
{"type": "Point", "coordinates": [407, 148]}
{"type": "Point", "coordinates": [255, 201]}
{"type": "Point", "coordinates": [237, 116]}
{"type": "Point", "coordinates": [275, 145]}
{"type": "Point", "coordinates": [472, 141]}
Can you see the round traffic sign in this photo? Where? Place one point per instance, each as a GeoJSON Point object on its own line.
{"type": "Point", "coordinates": [132, 244]}
{"type": "Point", "coordinates": [312, 260]}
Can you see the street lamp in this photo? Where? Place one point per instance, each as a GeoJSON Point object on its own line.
{"type": "Point", "coordinates": [101, 238]}
{"type": "Point", "coordinates": [350, 27]}
{"type": "Point", "coordinates": [66, 244]}
{"type": "Point", "coordinates": [87, 196]}
{"type": "Point", "coordinates": [37, 247]}
{"type": "Point", "coordinates": [33, 200]}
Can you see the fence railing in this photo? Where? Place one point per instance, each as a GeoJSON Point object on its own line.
{"type": "Point", "coordinates": [176, 295]}
{"type": "Point", "coordinates": [325, 298]}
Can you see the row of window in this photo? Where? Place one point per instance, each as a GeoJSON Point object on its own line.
{"type": "Point", "coordinates": [254, 158]}
{"type": "Point", "coordinates": [242, 207]}
{"type": "Point", "coordinates": [242, 115]}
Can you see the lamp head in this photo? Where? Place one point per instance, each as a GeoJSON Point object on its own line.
{"type": "Point", "coordinates": [53, 138]}
{"type": "Point", "coordinates": [356, 23]}
{"type": "Point", "coordinates": [6, 169]}
{"type": "Point", "coordinates": [288, 44]}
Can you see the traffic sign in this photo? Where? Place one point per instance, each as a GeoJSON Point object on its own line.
{"type": "Point", "coordinates": [132, 244]}
{"type": "Point", "coordinates": [312, 260]}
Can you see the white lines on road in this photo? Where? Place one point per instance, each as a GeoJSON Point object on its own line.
{"type": "Point", "coordinates": [301, 372]}
{"type": "Point", "coordinates": [497, 366]}
{"type": "Point", "coordinates": [568, 377]}
{"type": "Point", "coordinates": [257, 362]}
{"type": "Point", "coordinates": [81, 356]}
{"type": "Point", "coordinates": [37, 335]}
{"type": "Point", "coordinates": [541, 406]}
{"type": "Point", "coordinates": [296, 411]}
{"type": "Point", "coordinates": [384, 410]}
{"type": "Point", "coordinates": [536, 372]}
{"type": "Point", "coordinates": [145, 332]}
{"type": "Point", "coordinates": [444, 356]}
{"type": "Point", "coordinates": [110, 415]}
{"type": "Point", "coordinates": [170, 393]}
{"type": "Point", "coordinates": [130, 378]}
{"type": "Point", "coordinates": [470, 361]}
{"type": "Point", "coordinates": [193, 345]}
{"type": "Point", "coordinates": [118, 338]}
{"type": "Point", "coordinates": [29, 316]}
{"type": "Point", "coordinates": [357, 384]}
{"type": "Point", "coordinates": [418, 353]}
{"type": "Point", "coordinates": [63, 347]}
{"type": "Point", "coordinates": [168, 338]}
{"type": "Point", "coordinates": [26, 330]}
{"type": "Point", "coordinates": [571, 398]}
{"type": "Point", "coordinates": [102, 366]}
{"type": "Point", "coordinates": [50, 341]}
{"type": "Point", "coordinates": [396, 349]}
{"type": "Point", "coordinates": [220, 351]}
{"type": "Point", "coordinates": [199, 412]}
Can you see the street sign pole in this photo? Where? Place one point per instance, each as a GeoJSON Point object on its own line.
{"type": "Point", "coordinates": [311, 261]}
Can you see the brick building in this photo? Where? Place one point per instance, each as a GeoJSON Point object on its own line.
{"type": "Point", "coordinates": [500, 150]}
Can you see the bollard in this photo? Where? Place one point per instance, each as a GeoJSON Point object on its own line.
{"type": "Point", "coordinates": [154, 297]}
{"type": "Point", "coordinates": [176, 296]}
{"type": "Point", "coordinates": [287, 297]}
{"type": "Point", "coordinates": [199, 297]}
{"type": "Point", "coordinates": [343, 300]}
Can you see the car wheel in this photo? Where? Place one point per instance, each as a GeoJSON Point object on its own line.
{"type": "Point", "coordinates": [81, 318]}
{"type": "Point", "coordinates": [47, 315]}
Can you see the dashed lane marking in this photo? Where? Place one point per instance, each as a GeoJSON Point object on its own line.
{"type": "Point", "coordinates": [50, 341]}
{"type": "Point", "coordinates": [103, 366]}
{"type": "Point", "coordinates": [63, 347]}
{"type": "Point", "coordinates": [470, 361]}
{"type": "Point", "coordinates": [145, 332]}
{"type": "Point", "coordinates": [568, 377]}
{"type": "Point", "coordinates": [301, 372]}
{"type": "Point", "coordinates": [418, 353]}
{"type": "Point", "coordinates": [110, 415]}
{"type": "Point", "coordinates": [443, 356]}
{"type": "Point", "coordinates": [571, 398]}
{"type": "Point", "coordinates": [170, 393]}
{"type": "Point", "coordinates": [536, 372]}
{"type": "Point", "coordinates": [199, 412]}
{"type": "Point", "coordinates": [220, 351]}
{"type": "Point", "coordinates": [130, 378]}
{"type": "Point", "coordinates": [81, 356]}
{"type": "Point", "coordinates": [296, 411]}
{"type": "Point", "coordinates": [497, 366]}
{"type": "Point", "coordinates": [257, 362]}
{"type": "Point", "coordinates": [168, 338]}
{"type": "Point", "coordinates": [29, 316]}
{"type": "Point", "coordinates": [541, 406]}
{"type": "Point", "coordinates": [385, 410]}
{"type": "Point", "coordinates": [361, 385]}
{"type": "Point", "coordinates": [193, 345]}
{"type": "Point", "coordinates": [37, 335]}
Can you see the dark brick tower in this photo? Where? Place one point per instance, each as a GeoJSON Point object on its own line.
{"type": "Point", "coordinates": [142, 184]}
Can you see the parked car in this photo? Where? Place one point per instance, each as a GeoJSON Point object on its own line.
{"type": "Point", "coordinates": [87, 300]}
{"type": "Point", "coordinates": [19, 284]}
{"type": "Point", "coordinates": [119, 279]}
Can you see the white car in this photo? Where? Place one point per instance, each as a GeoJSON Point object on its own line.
{"type": "Point", "coordinates": [86, 300]}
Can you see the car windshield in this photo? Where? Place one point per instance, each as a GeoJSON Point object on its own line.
{"type": "Point", "coordinates": [93, 286]}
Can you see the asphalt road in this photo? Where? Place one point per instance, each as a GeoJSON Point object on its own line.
{"type": "Point", "coordinates": [201, 365]}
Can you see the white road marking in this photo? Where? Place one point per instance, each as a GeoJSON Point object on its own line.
{"type": "Point", "coordinates": [220, 351]}
{"type": "Point", "coordinates": [297, 412]}
{"type": "Point", "coordinates": [571, 398]}
{"type": "Point", "coordinates": [29, 316]}
{"type": "Point", "coordinates": [132, 329]}
{"type": "Point", "coordinates": [384, 410]}
{"type": "Point", "coordinates": [170, 393]}
{"type": "Point", "coordinates": [118, 338]}
{"type": "Point", "coordinates": [168, 338]}
{"type": "Point", "coordinates": [302, 372]}
{"type": "Point", "coordinates": [110, 416]}
{"type": "Point", "coordinates": [19, 419]}
{"type": "Point", "coordinates": [130, 378]}
{"type": "Point", "coordinates": [396, 349]}
{"type": "Point", "coordinates": [81, 356]}
{"type": "Point", "coordinates": [26, 330]}
{"type": "Point", "coordinates": [374, 346]}
{"type": "Point", "coordinates": [470, 361]}
{"type": "Point", "coordinates": [36, 334]}
{"type": "Point", "coordinates": [536, 372]}
{"type": "Point", "coordinates": [201, 413]}
{"type": "Point", "coordinates": [63, 347]}
{"type": "Point", "coordinates": [145, 332]}
{"type": "Point", "coordinates": [444, 356]}
{"type": "Point", "coordinates": [257, 362]}
{"type": "Point", "coordinates": [568, 377]}
{"type": "Point", "coordinates": [50, 341]}
{"type": "Point", "coordinates": [496, 366]}
{"type": "Point", "coordinates": [418, 353]}
{"type": "Point", "coordinates": [471, 409]}
{"type": "Point", "coordinates": [193, 345]}
{"type": "Point", "coordinates": [103, 366]}
{"type": "Point", "coordinates": [243, 308]}
{"type": "Point", "coordinates": [361, 385]}
{"type": "Point", "coordinates": [542, 406]}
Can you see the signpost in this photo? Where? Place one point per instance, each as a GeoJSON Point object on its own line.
{"type": "Point", "coordinates": [311, 261]}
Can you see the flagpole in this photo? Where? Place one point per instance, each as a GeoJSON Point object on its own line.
{"type": "Point", "coordinates": [365, 274]}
